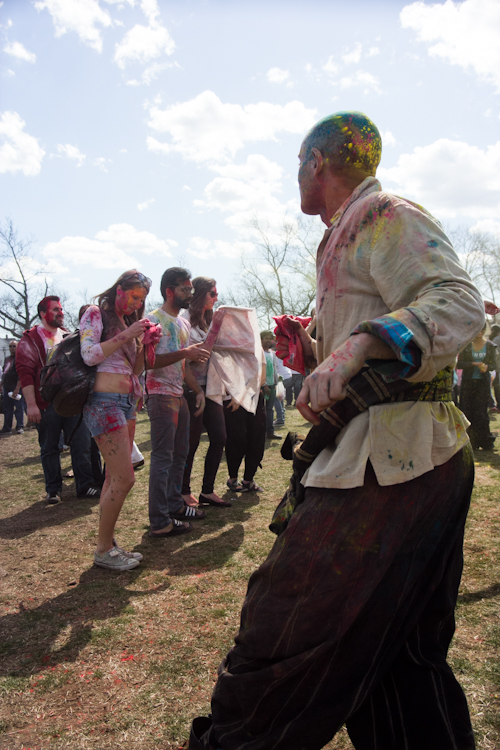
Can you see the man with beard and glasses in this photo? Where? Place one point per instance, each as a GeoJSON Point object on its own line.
{"type": "Point", "coordinates": [31, 356]}
{"type": "Point", "coordinates": [168, 410]}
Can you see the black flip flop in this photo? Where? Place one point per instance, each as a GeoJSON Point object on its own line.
{"type": "Point", "coordinates": [177, 529]}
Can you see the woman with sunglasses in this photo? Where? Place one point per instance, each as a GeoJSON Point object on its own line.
{"type": "Point", "coordinates": [200, 315]}
{"type": "Point", "coordinates": [110, 334]}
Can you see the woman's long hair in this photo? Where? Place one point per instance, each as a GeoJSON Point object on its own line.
{"type": "Point", "coordinates": [201, 285]}
{"type": "Point", "coordinates": [128, 280]}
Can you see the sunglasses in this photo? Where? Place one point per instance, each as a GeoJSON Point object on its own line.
{"type": "Point", "coordinates": [140, 277]}
{"type": "Point", "coordinates": [213, 294]}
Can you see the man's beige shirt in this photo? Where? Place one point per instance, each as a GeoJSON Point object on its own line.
{"type": "Point", "coordinates": [384, 255]}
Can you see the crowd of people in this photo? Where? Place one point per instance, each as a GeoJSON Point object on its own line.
{"type": "Point", "coordinates": [113, 334]}
{"type": "Point", "coordinates": [350, 617]}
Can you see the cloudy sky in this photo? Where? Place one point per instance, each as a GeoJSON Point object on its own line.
{"type": "Point", "coordinates": [150, 133]}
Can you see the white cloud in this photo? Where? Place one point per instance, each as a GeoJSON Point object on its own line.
{"type": "Point", "coordinates": [256, 169]}
{"type": "Point", "coordinates": [72, 152]}
{"type": "Point", "coordinates": [373, 51]}
{"type": "Point", "coordinates": [101, 162]}
{"type": "Point", "coordinates": [205, 129]}
{"type": "Point", "coordinates": [361, 78]}
{"type": "Point", "coordinates": [490, 226]}
{"type": "Point", "coordinates": [143, 44]}
{"type": "Point", "coordinates": [244, 191]}
{"type": "Point", "coordinates": [80, 16]}
{"type": "Point", "coordinates": [450, 178]}
{"type": "Point", "coordinates": [146, 204]}
{"type": "Point", "coordinates": [16, 49]}
{"type": "Point", "coordinates": [205, 249]}
{"type": "Point", "coordinates": [354, 56]}
{"type": "Point", "coordinates": [19, 151]}
{"type": "Point", "coordinates": [464, 33]}
{"type": "Point", "coordinates": [388, 139]}
{"type": "Point", "coordinates": [119, 246]}
{"type": "Point", "coordinates": [331, 66]}
{"type": "Point", "coordinates": [276, 75]}
{"type": "Point", "coordinates": [151, 73]}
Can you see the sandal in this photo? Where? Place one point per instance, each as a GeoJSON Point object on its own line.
{"type": "Point", "coordinates": [208, 501]}
{"type": "Point", "coordinates": [234, 485]}
{"type": "Point", "coordinates": [251, 487]}
{"type": "Point", "coordinates": [188, 513]}
{"type": "Point", "coordinates": [177, 528]}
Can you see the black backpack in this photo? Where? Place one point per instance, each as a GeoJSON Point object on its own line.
{"type": "Point", "coordinates": [66, 381]}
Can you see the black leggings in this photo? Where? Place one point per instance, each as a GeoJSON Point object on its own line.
{"type": "Point", "coordinates": [213, 419]}
{"type": "Point", "coordinates": [246, 438]}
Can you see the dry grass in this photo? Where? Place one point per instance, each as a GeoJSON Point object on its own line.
{"type": "Point", "coordinates": [92, 659]}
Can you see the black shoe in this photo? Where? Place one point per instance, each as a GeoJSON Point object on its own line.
{"type": "Point", "coordinates": [274, 436]}
{"type": "Point", "coordinates": [53, 498]}
{"type": "Point", "coordinates": [90, 492]}
{"type": "Point", "coordinates": [5, 432]}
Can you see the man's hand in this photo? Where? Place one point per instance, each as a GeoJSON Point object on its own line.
{"type": "Point", "coordinates": [328, 383]}
{"type": "Point", "coordinates": [195, 353]}
{"type": "Point", "coordinates": [490, 308]}
{"type": "Point", "coordinates": [200, 403]}
{"type": "Point", "coordinates": [283, 344]}
{"type": "Point", "coordinates": [34, 414]}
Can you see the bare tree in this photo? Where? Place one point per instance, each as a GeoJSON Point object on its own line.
{"type": "Point", "coordinates": [22, 281]}
{"type": "Point", "coordinates": [280, 277]}
{"type": "Point", "coordinates": [480, 255]}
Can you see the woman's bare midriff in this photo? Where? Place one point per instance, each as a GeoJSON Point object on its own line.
{"type": "Point", "coordinates": [112, 382]}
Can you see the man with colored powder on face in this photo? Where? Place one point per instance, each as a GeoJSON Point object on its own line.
{"type": "Point", "coordinates": [350, 617]}
{"type": "Point", "coordinates": [31, 357]}
{"type": "Point", "coordinates": [168, 410]}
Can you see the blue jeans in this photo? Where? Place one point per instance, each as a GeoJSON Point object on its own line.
{"type": "Point", "coordinates": [280, 410]}
{"type": "Point", "coordinates": [293, 386]}
{"type": "Point", "coordinates": [169, 417]}
{"type": "Point", "coordinates": [49, 431]}
{"type": "Point", "coordinates": [270, 410]}
{"type": "Point", "coordinates": [11, 406]}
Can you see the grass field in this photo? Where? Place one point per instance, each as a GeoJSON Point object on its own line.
{"type": "Point", "coordinates": [95, 659]}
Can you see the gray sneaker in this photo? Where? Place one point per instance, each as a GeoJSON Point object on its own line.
{"type": "Point", "coordinates": [114, 559]}
{"type": "Point", "coordinates": [135, 555]}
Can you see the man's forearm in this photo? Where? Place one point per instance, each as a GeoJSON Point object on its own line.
{"type": "Point", "coordinates": [164, 360]}
{"type": "Point", "coordinates": [29, 395]}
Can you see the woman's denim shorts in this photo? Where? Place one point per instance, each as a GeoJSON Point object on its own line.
{"type": "Point", "coordinates": [107, 412]}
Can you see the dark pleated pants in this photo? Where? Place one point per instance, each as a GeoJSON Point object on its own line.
{"type": "Point", "coordinates": [349, 621]}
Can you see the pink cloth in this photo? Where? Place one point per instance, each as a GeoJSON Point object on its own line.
{"type": "Point", "coordinates": [295, 358]}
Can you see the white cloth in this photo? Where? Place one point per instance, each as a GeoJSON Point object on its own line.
{"type": "Point", "coordinates": [384, 255]}
{"type": "Point", "coordinates": [235, 365]}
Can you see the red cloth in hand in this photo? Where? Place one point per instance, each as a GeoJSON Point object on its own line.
{"type": "Point", "coordinates": [295, 358]}
{"type": "Point", "coordinates": [150, 341]}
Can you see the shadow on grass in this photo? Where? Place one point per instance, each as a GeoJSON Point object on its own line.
{"type": "Point", "coordinates": [475, 596]}
{"type": "Point", "coordinates": [40, 516]}
{"type": "Point", "coordinates": [487, 458]}
{"type": "Point", "coordinates": [28, 461]}
{"type": "Point", "coordinates": [28, 637]}
{"type": "Point", "coordinates": [204, 555]}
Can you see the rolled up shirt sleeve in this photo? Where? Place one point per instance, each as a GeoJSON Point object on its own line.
{"type": "Point", "coordinates": [90, 336]}
{"type": "Point", "coordinates": [399, 337]}
{"type": "Point", "coordinates": [435, 307]}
